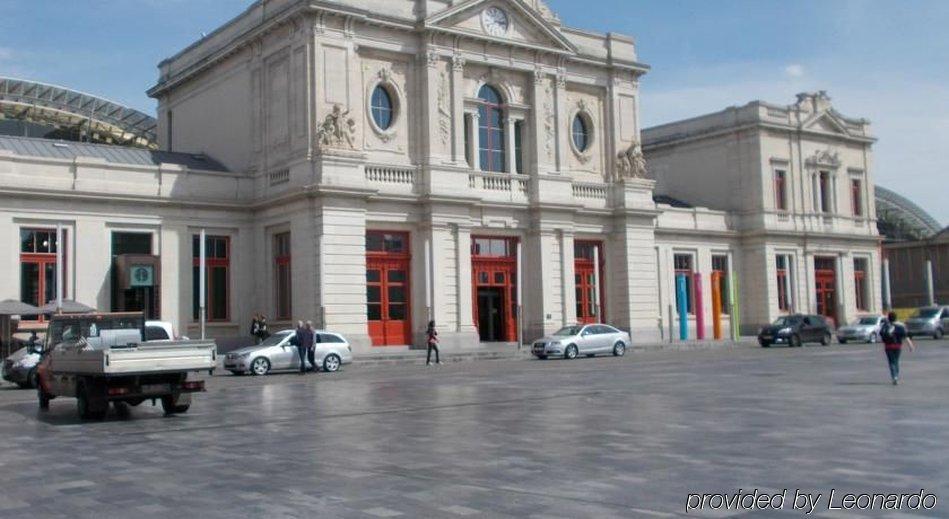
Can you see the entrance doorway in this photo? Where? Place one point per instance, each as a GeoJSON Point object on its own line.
{"type": "Point", "coordinates": [494, 283]}
{"type": "Point", "coordinates": [387, 288]}
{"type": "Point", "coordinates": [491, 314]}
{"type": "Point", "coordinates": [825, 275]}
{"type": "Point", "coordinates": [589, 310]}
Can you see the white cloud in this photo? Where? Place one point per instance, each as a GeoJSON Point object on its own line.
{"type": "Point", "coordinates": [794, 70]}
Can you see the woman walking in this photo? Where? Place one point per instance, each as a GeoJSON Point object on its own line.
{"type": "Point", "coordinates": [431, 338]}
{"type": "Point", "coordinates": [893, 334]}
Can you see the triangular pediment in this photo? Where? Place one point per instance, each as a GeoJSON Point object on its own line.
{"type": "Point", "coordinates": [526, 26]}
{"type": "Point", "coordinates": [826, 122]}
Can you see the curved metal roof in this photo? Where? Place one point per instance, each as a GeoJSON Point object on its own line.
{"type": "Point", "coordinates": [900, 219]}
{"type": "Point", "coordinates": [97, 119]}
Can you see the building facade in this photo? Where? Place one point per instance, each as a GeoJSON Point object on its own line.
{"type": "Point", "coordinates": [378, 164]}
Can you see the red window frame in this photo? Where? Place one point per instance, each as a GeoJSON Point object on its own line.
{"type": "Point", "coordinates": [212, 262]}
{"type": "Point", "coordinates": [720, 267]}
{"type": "Point", "coordinates": [42, 260]}
{"type": "Point", "coordinates": [487, 269]}
{"type": "Point", "coordinates": [283, 293]}
{"type": "Point", "coordinates": [387, 252]}
{"type": "Point", "coordinates": [780, 190]}
{"type": "Point", "coordinates": [856, 196]}
{"type": "Point", "coordinates": [686, 268]}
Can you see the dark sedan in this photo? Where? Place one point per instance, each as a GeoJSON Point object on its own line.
{"type": "Point", "coordinates": [795, 330]}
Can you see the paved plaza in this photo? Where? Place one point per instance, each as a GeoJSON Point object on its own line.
{"type": "Point", "coordinates": [605, 437]}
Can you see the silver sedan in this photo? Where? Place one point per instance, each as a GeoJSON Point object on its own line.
{"type": "Point", "coordinates": [590, 340]}
{"type": "Point", "coordinates": [864, 329]}
{"type": "Point", "coordinates": [277, 354]}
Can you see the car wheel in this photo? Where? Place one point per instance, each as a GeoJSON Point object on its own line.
{"type": "Point", "coordinates": [331, 363]}
{"type": "Point", "coordinates": [938, 334]}
{"type": "Point", "coordinates": [570, 353]}
{"type": "Point", "coordinates": [121, 409]}
{"type": "Point", "coordinates": [842, 341]}
{"type": "Point", "coordinates": [260, 366]}
{"type": "Point", "coordinates": [873, 338]}
{"type": "Point", "coordinates": [542, 357]}
{"type": "Point", "coordinates": [795, 341]}
{"type": "Point", "coordinates": [765, 344]}
{"type": "Point", "coordinates": [237, 373]}
{"type": "Point", "coordinates": [825, 340]}
{"type": "Point", "coordinates": [619, 349]}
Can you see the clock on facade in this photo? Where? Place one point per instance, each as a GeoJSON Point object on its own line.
{"type": "Point", "coordinates": [495, 20]}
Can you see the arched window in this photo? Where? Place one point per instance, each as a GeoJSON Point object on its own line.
{"type": "Point", "coordinates": [581, 133]}
{"type": "Point", "coordinates": [491, 130]}
{"type": "Point", "coordinates": [382, 108]}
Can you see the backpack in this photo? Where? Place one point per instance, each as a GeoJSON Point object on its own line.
{"type": "Point", "coordinates": [887, 331]}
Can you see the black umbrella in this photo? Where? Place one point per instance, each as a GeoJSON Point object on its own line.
{"type": "Point", "coordinates": [14, 307]}
{"type": "Point", "coordinates": [68, 307]}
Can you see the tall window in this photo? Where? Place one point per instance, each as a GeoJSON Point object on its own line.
{"type": "Point", "coordinates": [856, 196]}
{"type": "Point", "coordinates": [491, 130]}
{"type": "Point", "coordinates": [780, 190]}
{"type": "Point", "coordinates": [38, 265]}
{"type": "Point", "coordinates": [720, 267]}
{"type": "Point", "coordinates": [824, 194]}
{"type": "Point", "coordinates": [860, 283]}
{"type": "Point", "coordinates": [282, 281]}
{"type": "Point", "coordinates": [518, 147]}
{"type": "Point", "coordinates": [783, 282]}
{"type": "Point", "coordinates": [383, 110]}
{"type": "Point", "coordinates": [218, 262]}
{"type": "Point", "coordinates": [684, 267]}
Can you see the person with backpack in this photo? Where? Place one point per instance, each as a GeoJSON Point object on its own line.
{"type": "Point", "coordinates": [893, 333]}
{"type": "Point", "coordinates": [431, 338]}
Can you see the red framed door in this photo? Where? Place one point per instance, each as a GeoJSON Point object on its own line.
{"type": "Point", "coordinates": [494, 288]}
{"type": "Point", "coordinates": [585, 280]}
{"type": "Point", "coordinates": [825, 275]}
{"type": "Point", "coordinates": [388, 303]}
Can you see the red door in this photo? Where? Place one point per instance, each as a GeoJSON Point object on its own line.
{"type": "Point", "coordinates": [825, 275]}
{"type": "Point", "coordinates": [585, 280]}
{"type": "Point", "coordinates": [494, 288]}
{"type": "Point", "coordinates": [387, 293]}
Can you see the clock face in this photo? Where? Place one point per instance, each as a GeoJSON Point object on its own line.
{"type": "Point", "coordinates": [495, 21]}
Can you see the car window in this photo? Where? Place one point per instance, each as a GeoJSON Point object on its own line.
{"type": "Point", "coordinates": [868, 320]}
{"type": "Point", "coordinates": [567, 331]}
{"type": "Point", "coordinates": [926, 313]}
{"type": "Point", "coordinates": [156, 333]}
{"type": "Point", "coordinates": [329, 337]}
{"type": "Point", "coordinates": [275, 339]}
{"type": "Point", "coordinates": [807, 321]}
{"type": "Point", "coordinates": [609, 329]}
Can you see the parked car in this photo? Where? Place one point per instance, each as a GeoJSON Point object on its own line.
{"type": "Point", "coordinates": [590, 340]}
{"type": "Point", "coordinates": [929, 320]}
{"type": "Point", "coordinates": [795, 330]}
{"type": "Point", "coordinates": [20, 366]}
{"type": "Point", "coordinates": [277, 354]}
{"type": "Point", "coordinates": [864, 329]}
{"type": "Point", "coordinates": [161, 331]}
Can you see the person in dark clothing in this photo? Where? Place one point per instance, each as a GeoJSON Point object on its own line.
{"type": "Point", "coordinates": [431, 339]}
{"type": "Point", "coordinates": [894, 335]}
{"type": "Point", "coordinates": [304, 340]}
{"type": "Point", "coordinates": [255, 328]}
{"type": "Point", "coordinates": [262, 331]}
{"type": "Point", "coordinates": [311, 353]}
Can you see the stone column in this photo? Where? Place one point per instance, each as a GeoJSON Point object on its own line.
{"type": "Point", "coordinates": [560, 122]}
{"type": "Point", "coordinates": [465, 318]}
{"type": "Point", "coordinates": [569, 287]}
{"type": "Point", "coordinates": [541, 130]}
{"type": "Point", "coordinates": [458, 109]}
{"type": "Point", "coordinates": [541, 273]}
{"type": "Point", "coordinates": [930, 289]}
{"type": "Point", "coordinates": [510, 157]}
{"type": "Point", "coordinates": [475, 141]}
{"type": "Point", "coordinates": [887, 295]}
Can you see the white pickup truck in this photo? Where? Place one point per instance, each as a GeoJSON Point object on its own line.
{"type": "Point", "coordinates": [101, 358]}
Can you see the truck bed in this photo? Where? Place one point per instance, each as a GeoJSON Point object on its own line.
{"type": "Point", "coordinates": [144, 358]}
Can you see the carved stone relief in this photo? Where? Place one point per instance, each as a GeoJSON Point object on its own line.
{"type": "Point", "coordinates": [338, 130]}
{"type": "Point", "coordinates": [631, 163]}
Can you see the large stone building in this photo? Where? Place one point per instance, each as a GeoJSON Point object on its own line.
{"type": "Point", "coordinates": [374, 164]}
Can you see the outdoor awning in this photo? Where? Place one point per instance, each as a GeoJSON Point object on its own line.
{"type": "Point", "coordinates": [14, 307]}
{"type": "Point", "coordinates": [69, 307]}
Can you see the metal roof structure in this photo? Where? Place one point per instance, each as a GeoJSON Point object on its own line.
{"type": "Point", "coordinates": [900, 219]}
{"type": "Point", "coordinates": [90, 118]}
{"type": "Point", "coordinates": [48, 148]}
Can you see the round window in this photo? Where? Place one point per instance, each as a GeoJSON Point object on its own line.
{"type": "Point", "coordinates": [383, 111]}
{"type": "Point", "coordinates": [581, 133]}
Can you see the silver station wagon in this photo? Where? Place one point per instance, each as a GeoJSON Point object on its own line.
{"type": "Point", "coordinates": [570, 342]}
{"type": "Point", "coordinates": [277, 354]}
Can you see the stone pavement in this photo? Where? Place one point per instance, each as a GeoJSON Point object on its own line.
{"type": "Point", "coordinates": [606, 437]}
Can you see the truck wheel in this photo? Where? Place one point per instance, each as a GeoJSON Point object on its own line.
{"type": "Point", "coordinates": [89, 407]}
{"type": "Point", "coordinates": [170, 404]}
{"type": "Point", "coordinates": [43, 397]}
{"type": "Point", "coordinates": [121, 409]}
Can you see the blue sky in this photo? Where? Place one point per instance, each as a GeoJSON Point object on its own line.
{"type": "Point", "coordinates": [885, 60]}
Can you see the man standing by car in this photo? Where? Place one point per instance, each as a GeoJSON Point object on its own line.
{"type": "Point", "coordinates": [893, 333]}
{"type": "Point", "coordinates": [303, 339]}
{"type": "Point", "coordinates": [314, 338]}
